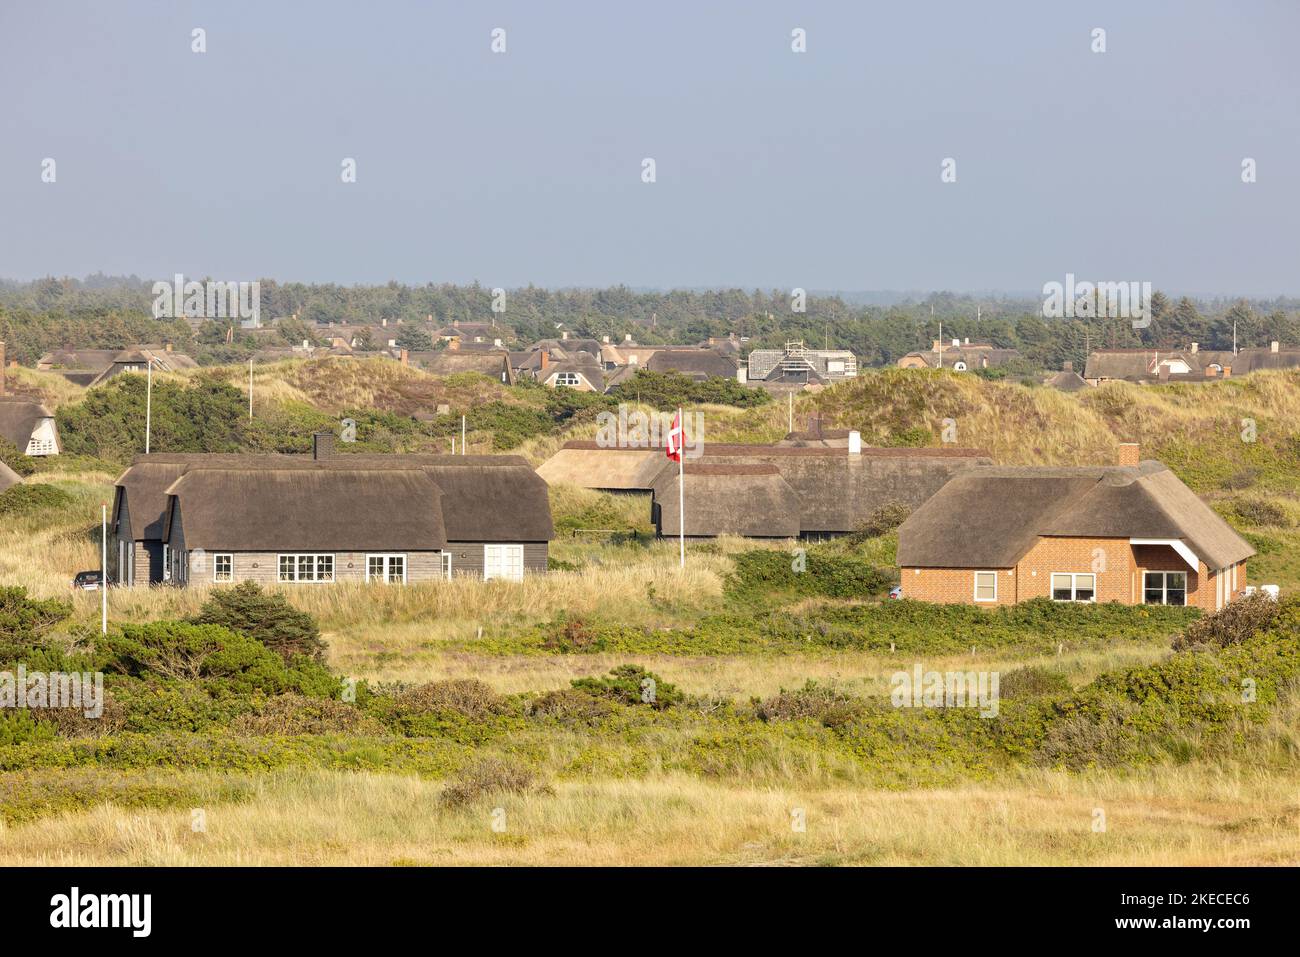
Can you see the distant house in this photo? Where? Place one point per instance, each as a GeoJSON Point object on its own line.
{"type": "Point", "coordinates": [28, 426]}
{"type": "Point", "coordinates": [579, 370]}
{"type": "Point", "coordinates": [474, 332]}
{"type": "Point", "coordinates": [1193, 364]}
{"type": "Point", "coordinates": [1067, 380]}
{"type": "Point", "coordinates": [800, 367]}
{"type": "Point", "coordinates": [326, 517]}
{"type": "Point", "coordinates": [1131, 533]}
{"type": "Point", "coordinates": [495, 363]}
{"type": "Point", "coordinates": [767, 491]}
{"type": "Point", "coordinates": [694, 363]}
{"type": "Point", "coordinates": [960, 355]}
{"type": "Point", "coordinates": [94, 366]}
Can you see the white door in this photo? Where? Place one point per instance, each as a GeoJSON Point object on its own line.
{"type": "Point", "coordinates": [503, 561]}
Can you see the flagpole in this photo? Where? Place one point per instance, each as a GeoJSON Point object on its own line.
{"type": "Point", "coordinates": [681, 487]}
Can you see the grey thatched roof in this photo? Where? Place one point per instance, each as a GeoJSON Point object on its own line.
{"type": "Point", "coordinates": [695, 363]}
{"type": "Point", "coordinates": [483, 498]}
{"type": "Point", "coordinates": [494, 363]}
{"type": "Point", "coordinates": [19, 417]}
{"type": "Point", "coordinates": [749, 500]}
{"type": "Point", "coordinates": [1143, 501]}
{"type": "Point", "coordinates": [8, 477]}
{"type": "Point", "coordinates": [308, 509]}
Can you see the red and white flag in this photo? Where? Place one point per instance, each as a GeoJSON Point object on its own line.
{"type": "Point", "coordinates": [675, 439]}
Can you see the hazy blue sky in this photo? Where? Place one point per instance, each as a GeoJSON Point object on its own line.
{"type": "Point", "coordinates": [775, 169]}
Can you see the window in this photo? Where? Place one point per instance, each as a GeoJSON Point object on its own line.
{"type": "Point", "coordinates": [959, 366]}
{"type": "Point", "coordinates": [306, 568]}
{"type": "Point", "coordinates": [1074, 587]}
{"type": "Point", "coordinates": [1164, 588]}
{"type": "Point", "coordinates": [223, 567]}
{"type": "Point", "coordinates": [386, 568]}
{"type": "Point", "coordinates": [167, 562]}
{"type": "Point", "coordinates": [446, 565]}
{"type": "Point", "coordinates": [986, 586]}
{"type": "Point", "coordinates": [567, 378]}
{"type": "Point", "coordinates": [503, 561]}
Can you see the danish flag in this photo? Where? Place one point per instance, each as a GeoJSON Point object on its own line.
{"type": "Point", "coordinates": [674, 448]}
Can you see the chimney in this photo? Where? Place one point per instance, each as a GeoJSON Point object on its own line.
{"type": "Point", "coordinates": [742, 375]}
{"type": "Point", "coordinates": [497, 343]}
{"type": "Point", "coordinates": [1210, 373]}
{"type": "Point", "coordinates": [605, 339]}
{"type": "Point", "coordinates": [1067, 365]}
{"type": "Point", "coordinates": [455, 323]}
{"type": "Point", "coordinates": [1130, 453]}
{"type": "Point", "coordinates": [956, 343]}
{"type": "Point", "coordinates": [453, 345]}
{"type": "Point", "coordinates": [935, 346]}
{"type": "Point", "coordinates": [384, 322]}
{"type": "Point", "coordinates": [564, 334]}
{"type": "Point", "coordinates": [966, 340]}
{"type": "Point", "coordinates": [168, 347]}
{"type": "Point", "coordinates": [546, 359]}
{"type": "Point", "coordinates": [305, 345]}
{"type": "Point", "coordinates": [628, 337]}
{"type": "Point", "coordinates": [1272, 346]}
{"type": "Point", "coordinates": [1227, 371]}
{"type": "Point", "coordinates": [855, 442]}
{"type": "Point", "coordinates": [322, 445]}
{"type": "Point", "coordinates": [1195, 347]}
{"type": "Point", "coordinates": [406, 356]}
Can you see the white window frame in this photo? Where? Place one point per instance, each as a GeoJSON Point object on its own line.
{"type": "Point", "coordinates": [167, 562]}
{"type": "Point", "coordinates": [506, 549]}
{"type": "Point", "coordinates": [1164, 584]}
{"type": "Point", "coordinates": [561, 378]}
{"type": "Point", "coordinates": [446, 564]}
{"type": "Point", "coordinates": [216, 561]}
{"type": "Point", "coordinates": [975, 592]}
{"type": "Point", "coordinates": [296, 564]}
{"type": "Point", "coordinates": [387, 558]}
{"type": "Point", "coordinates": [1074, 587]}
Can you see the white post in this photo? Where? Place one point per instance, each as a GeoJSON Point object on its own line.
{"type": "Point", "coordinates": [148, 405]}
{"type": "Point", "coordinates": [462, 435]}
{"type": "Point", "coordinates": [940, 339]}
{"type": "Point", "coordinates": [789, 416]}
{"type": "Point", "coordinates": [681, 488]}
{"type": "Point", "coordinates": [103, 570]}
{"type": "Point", "coordinates": [250, 388]}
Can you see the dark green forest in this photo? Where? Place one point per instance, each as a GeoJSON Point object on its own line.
{"type": "Point", "coordinates": [106, 312]}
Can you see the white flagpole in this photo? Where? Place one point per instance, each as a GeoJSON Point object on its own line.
{"type": "Point", "coordinates": [148, 405]}
{"type": "Point", "coordinates": [681, 487]}
{"type": "Point", "coordinates": [103, 570]}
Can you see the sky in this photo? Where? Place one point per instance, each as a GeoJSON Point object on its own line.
{"type": "Point", "coordinates": [772, 168]}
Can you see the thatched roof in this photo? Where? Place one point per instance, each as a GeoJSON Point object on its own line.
{"type": "Point", "coordinates": [8, 477]}
{"type": "Point", "coordinates": [1143, 501]}
{"type": "Point", "coordinates": [694, 363]}
{"type": "Point", "coordinates": [484, 498]}
{"type": "Point", "coordinates": [1067, 380]}
{"type": "Point", "coordinates": [19, 417]}
{"type": "Point", "coordinates": [495, 363]}
{"type": "Point", "coordinates": [610, 470]}
{"type": "Point", "coordinates": [749, 500]}
{"type": "Point", "coordinates": [308, 509]}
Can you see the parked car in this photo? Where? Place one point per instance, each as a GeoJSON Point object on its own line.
{"type": "Point", "coordinates": [87, 581]}
{"type": "Point", "coordinates": [896, 591]}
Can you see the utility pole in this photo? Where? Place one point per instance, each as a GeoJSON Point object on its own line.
{"type": "Point", "coordinates": [940, 338]}
{"type": "Point", "coordinates": [103, 570]}
{"type": "Point", "coordinates": [148, 405]}
{"type": "Point", "coordinates": [790, 414]}
{"type": "Point", "coordinates": [462, 435]}
{"type": "Point", "coordinates": [250, 388]}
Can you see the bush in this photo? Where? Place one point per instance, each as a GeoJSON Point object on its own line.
{"type": "Point", "coordinates": [883, 520]}
{"type": "Point", "coordinates": [1231, 624]}
{"type": "Point", "coordinates": [20, 499]}
{"type": "Point", "coordinates": [571, 635]}
{"type": "Point", "coordinates": [467, 696]}
{"type": "Point", "coordinates": [1032, 682]}
{"type": "Point", "coordinates": [759, 575]}
{"type": "Point", "coordinates": [295, 714]}
{"type": "Point", "coordinates": [13, 457]}
{"type": "Point", "coordinates": [569, 704]}
{"type": "Point", "coordinates": [813, 701]}
{"type": "Point", "coordinates": [488, 776]}
{"type": "Point", "coordinates": [632, 685]}
{"type": "Point", "coordinates": [1260, 512]}
{"type": "Point", "coordinates": [265, 617]}
{"type": "Point", "coordinates": [24, 621]}
{"type": "Point", "coordinates": [1084, 741]}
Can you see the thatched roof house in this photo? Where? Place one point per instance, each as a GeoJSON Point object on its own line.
{"type": "Point", "coordinates": [28, 426]}
{"type": "Point", "coordinates": [836, 489]}
{"type": "Point", "coordinates": [1113, 533]}
{"type": "Point", "coordinates": [495, 363]}
{"type": "Point", "coordinates": [428, 516]}
{"type": "Point", "coordinates": [749, 500]}
{"type": "Point", "coordinates": [695, 364]}
{"type": "Point", "coordinates": [1067, 380]}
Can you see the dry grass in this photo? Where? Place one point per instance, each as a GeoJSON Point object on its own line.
{"type": "Point", "coordinates": [1185, 816]}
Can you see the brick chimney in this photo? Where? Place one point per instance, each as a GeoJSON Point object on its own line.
{"type": "Point", "coordinates": [322, 445]}
{"type": "Point", "coordinates": [1130, 453]}
{"type": "Point", "coordinates": [1227, 371]}
{"type": "Point", "coordinates": [1067, 365]}
{"type": "Point", "coordinates": [1210, 373]}
{"type": "Point", "coordinates": [406, 357]}
{"type": "Point", "coordinates": [546, 359]}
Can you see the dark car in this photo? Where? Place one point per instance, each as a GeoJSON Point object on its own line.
{"type": "Point", "coordinates": [87, 581]}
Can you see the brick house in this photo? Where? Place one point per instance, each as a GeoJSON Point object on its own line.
{"type": "Point", "coordinates": [326, 517]}
{"type": "Point", "coordinates": [1131, 533]}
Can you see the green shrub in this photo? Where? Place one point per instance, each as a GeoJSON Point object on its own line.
{"type": "Point", "coordinates": [295, 714]}
{"type": "Point", "coordinates": [13, 457]}
{"type": "Point", "coordinates": [268, 618]}
{"type": "Point", "coordinates": [762, 574]}
{"type": "Point", "coordinates": [813, 701]}
{"type": "Point", "coordinates": [1255, 511]}
{"type": "Point", "coordinates": [19, 727]}
{"type": "Point", "coordinates": [569, 704]}
{"type": "Point", "coordinates": [21, 499]}
{"type": "Point", "coordinates": [25, 621]}
{"type": "Point", "coordinates": [883, 520]}
{"type": "Point", "coordinates": [632, 685]}
{"type": "Point", "coordinates": [1031, 682]}
{"type": "Point", "coordinates": [569, 635]}
{"type": "Point", "coordinates": [467, 696]}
